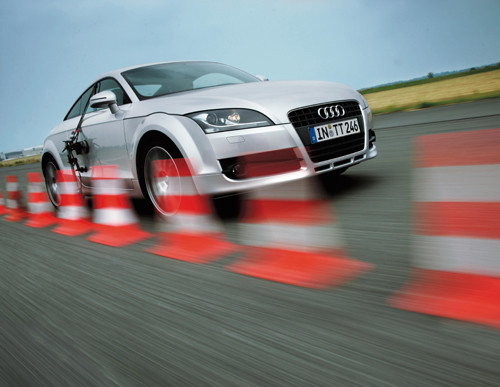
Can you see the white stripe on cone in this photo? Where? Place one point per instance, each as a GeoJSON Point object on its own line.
{"type": "Point", "coordinates": [108, 187]}
{"type": "Point", "coordinates": [301, 189]}
{"type": "Point", "coordinates": [12, 187]}
{"type": "Point", "coordinates": [114, 217]}
{"type": "Point", "coordinates": [192, 223]}
{"type": "Point", "coordinates": [458, 254]}
{"type": "Point", "coordinates": [68, 187]}
{"type": "Point", "coordinates": [307, 238]}
{"type": "Point", "coordinates": [39, 208]}
{"type": "Point", "coordinates": [12, 204]}
{"type": "Point", "coordinates": [465, 183]}
{"type": "Point", "coordinates": [73, 212]}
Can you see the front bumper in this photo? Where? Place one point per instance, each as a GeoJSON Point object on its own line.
{"type": "Point", "coordinates": [252, 150]}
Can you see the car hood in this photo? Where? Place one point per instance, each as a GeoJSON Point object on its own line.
{"type": "Point", "coordinates": [273, 98]}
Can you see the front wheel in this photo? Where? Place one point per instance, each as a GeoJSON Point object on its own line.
{"type": "Point", "coordinates": [162, 183]}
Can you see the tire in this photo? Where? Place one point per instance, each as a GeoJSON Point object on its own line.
{"type": "Point", "coordinates": [159, 176]}
{"type": "Point", "coordinates": [50, 169]}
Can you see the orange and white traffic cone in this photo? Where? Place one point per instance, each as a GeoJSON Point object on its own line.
{"type": "Point", "coordinates": [73, 214]}
{"type": "Point", "coordinates": [456, 269]}
{"type": "Point", "coordinates": [3, 209]}
{"type": "Point", "coordinates": [15, 210]}
{"type": "Point", "coordinates": [191, 233]}
{"type": "Point", "coordinates": [294, 238]}
{"type": "Point", "coordinates": [116, 223]}
{"type": "Point", "coordinates": [40, 210]}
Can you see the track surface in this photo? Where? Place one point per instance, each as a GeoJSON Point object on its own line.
{"type": "Point", "coordinates": [77, 313]}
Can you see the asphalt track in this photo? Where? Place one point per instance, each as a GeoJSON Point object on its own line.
{"type": "Point", "coordinates": [73, 312]}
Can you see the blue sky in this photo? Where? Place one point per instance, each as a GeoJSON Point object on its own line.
{"type": "Point", "coordinates": [51, 50]}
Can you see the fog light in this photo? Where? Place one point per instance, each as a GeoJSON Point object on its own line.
{"type": "Point", "coordinates": [371, 136]}
{"type": "Point", "coordinates": [238, 171]}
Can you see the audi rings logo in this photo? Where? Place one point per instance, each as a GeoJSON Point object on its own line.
{"type": "Point", "coordinates": [334, 111]}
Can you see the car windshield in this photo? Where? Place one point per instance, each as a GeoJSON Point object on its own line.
{"type": "Point", "coordinates": [167, 78]}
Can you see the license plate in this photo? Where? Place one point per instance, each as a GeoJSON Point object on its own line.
{"type": "Point", "coordinates": [335, 130]}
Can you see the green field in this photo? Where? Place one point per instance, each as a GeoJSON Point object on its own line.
{"type": "Point", "coordinates": [20, 161]}
{"type": "Point", "coordinates": [454, 88]}
{"type": "Point", "coordinates": [430, 79]}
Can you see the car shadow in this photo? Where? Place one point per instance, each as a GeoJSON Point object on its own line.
{"type": "Point", "coordinates": [336, 186]}
{"type": "Point", "coordinates": [229, 207]}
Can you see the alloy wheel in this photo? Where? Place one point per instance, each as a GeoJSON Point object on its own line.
{"type": "Point", "coordinates": [162, 180]}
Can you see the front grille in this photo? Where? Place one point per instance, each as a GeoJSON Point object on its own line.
{"type": "Point", "coordinates": [304, 118]}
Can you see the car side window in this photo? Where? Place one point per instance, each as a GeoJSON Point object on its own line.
{"type": "Point", "coordinates": [112, 85]}
{"type": "Point", "coordinates": [77, 109]}
{"type": "Point", "coordinates": [105, 84]}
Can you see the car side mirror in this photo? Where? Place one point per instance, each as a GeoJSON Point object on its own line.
{"type": "Point", "coordinates": [105, 99]}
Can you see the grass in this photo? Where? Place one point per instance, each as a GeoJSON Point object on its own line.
{"type": "Point", "coordinates": [20, 161]}
{"type": "Point", "coordinates": [424, 104]}
{"type": "Point", "coordinates": [438, 91]}
{"type": "Point", "coordinates": [400, 85]}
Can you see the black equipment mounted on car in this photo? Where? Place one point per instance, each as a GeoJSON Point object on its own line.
{"type": "Point", "coordinates": [78, 147]}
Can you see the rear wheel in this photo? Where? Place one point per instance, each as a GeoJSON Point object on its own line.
{"type": "Point", "coordinates": [161, 181]}
{"type": "Point", "coordinates": [50, 169]}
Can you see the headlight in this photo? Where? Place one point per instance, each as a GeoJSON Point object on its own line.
{"type": "Point", "coordinates": [365, 102]}
{"type": "Point", "coordinates": [214, 121]}
{"type": "Point", "coordinates": [366, 108]}
{"type": "Point", "coordinates": [369, 114]}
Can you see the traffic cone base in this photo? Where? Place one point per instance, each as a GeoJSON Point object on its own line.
{"type": "Point", "coordinates": [41, 220]}
{"type": "Point", "coordinates": [461, 296]}
{"type": "Point", "coordinates": [195, 248]}
{"type": "Point", "coordinates": [118, 236]}
{"type": "Point", "coordinates": [15, 215]}
{"type": "Point", "coordinates": [300, 268]}
{"type": "Point", "coordinates": [70, 227]}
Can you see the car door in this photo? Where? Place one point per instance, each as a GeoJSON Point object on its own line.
{"type": "Point", "coordinates": [105, 136]}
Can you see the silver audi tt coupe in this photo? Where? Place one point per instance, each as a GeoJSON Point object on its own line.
{"type": "Point", "coordinates": [237, 131]}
